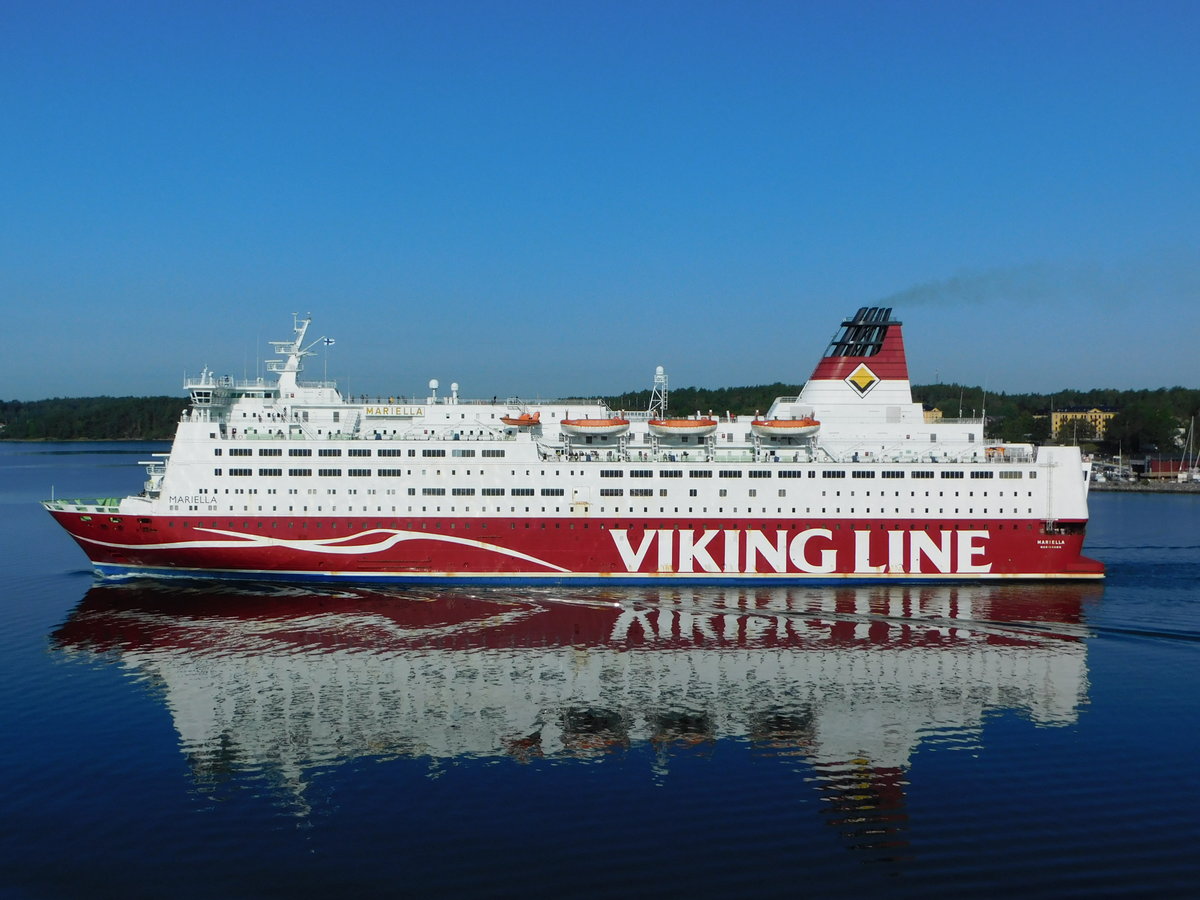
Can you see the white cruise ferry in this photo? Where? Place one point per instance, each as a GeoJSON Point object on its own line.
{"type": "Point", "coordinates": [283, 478]}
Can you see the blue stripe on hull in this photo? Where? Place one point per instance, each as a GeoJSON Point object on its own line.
{"type": "Point", "coordinates": [593, 579]}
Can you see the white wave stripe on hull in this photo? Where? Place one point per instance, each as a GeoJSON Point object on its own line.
{"type": "Point", "coordinates": [325, 545]}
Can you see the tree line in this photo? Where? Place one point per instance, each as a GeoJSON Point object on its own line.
{"type": "Point", "coordinates": [90, 418]}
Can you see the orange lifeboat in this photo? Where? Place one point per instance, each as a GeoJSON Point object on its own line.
{"type": "Point", "coordinates": [682, 427]}
{"type": "Point", "coordinates": [605, 427]}
{"type": "Point", "coordinates": [785, 428]}
{"type": "Point", "coordinates": [524, 420]}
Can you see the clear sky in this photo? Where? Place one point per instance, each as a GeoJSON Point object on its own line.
{"type": "Point", "coordinates": [552, 198]}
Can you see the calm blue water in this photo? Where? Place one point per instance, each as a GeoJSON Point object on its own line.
{"type": "Point", "coordinates": [191, 741]}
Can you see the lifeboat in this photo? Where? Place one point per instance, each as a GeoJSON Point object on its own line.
{"type": "Point", "coordinates": [524, 420]}
{"type": "Point", "coordinates": [605, 427]}
{"type": "Point", "coordinates": [785, 428]}
{"type": "Point", "coordinates": [682, 427]}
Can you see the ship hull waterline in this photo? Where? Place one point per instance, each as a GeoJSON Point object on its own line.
{"type": "Point", "coordinates": [570, 550]}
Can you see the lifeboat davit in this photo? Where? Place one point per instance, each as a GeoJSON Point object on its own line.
{"type": "Point", "coordinates": [785, 428]}
{"type": "Point", "coordinates": [524, 420]}
{"type": "Point", "coordinates": [682, 427]}
{"type": "Point", "coordinates": [605, 427]}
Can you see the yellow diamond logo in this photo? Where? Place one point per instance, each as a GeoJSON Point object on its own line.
{"type": "Point", "coordinates": [862, 380]}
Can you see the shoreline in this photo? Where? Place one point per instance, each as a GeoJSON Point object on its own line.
{"type": "Point", "coordinates": [1148, 487]}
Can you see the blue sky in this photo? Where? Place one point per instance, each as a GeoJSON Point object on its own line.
{"type": "Point", "coordinates": [548, 199]}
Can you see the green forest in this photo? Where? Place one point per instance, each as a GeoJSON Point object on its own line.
{"type": "Point", "coordinates": [91, 418]}
{"type": "Point", "coordinates": [1147, 421]}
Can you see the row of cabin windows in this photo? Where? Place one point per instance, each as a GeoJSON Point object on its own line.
{"type": "Point", "coordinates": [615, 492]}
{"type": "Point", "coordinates": [646, 473]}
{"type": "Point", "coordinates": [671, 525]}
{"type": "Point", "coordinates": [487, 492]}
{"type": "Point", "coordinates": [811, 473]}
{"type": "Point", "coordinates": [604, 492]}
{"type": "Point", "coordinates": [359, 451]}
{"type": "Point", "coordinates": [676, 510]}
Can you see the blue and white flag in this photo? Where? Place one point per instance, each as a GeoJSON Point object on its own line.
{"type": "Point", "coordinates": [328, 342]}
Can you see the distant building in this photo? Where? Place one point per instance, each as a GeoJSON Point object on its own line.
{"type": "Point", "coordinates": [1161, 469]}
{"type": "Point", "coordinates": [933, 415]}
{"type": "Point", "coordinates": [1063, 420]}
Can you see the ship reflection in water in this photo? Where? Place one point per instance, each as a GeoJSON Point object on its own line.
{"type": "Point", "coordinates": [845, 684]}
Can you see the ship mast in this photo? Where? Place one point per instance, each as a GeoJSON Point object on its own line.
{"type": "Point", "coordinates": [295, 351]}
{"type": "Point", "coordinates": [658, 394]}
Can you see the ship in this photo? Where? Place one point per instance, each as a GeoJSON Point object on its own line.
{"type": "Point", "coordinates": [285, 479]}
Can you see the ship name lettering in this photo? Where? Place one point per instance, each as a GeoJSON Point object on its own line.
{"type": "Point", "coordinates": [812, 551]}
{"type": "Point", "coordinates": [393, 410]}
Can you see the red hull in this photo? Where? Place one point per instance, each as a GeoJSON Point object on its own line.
{"type": "Point", "coordinates": [578, 549]}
